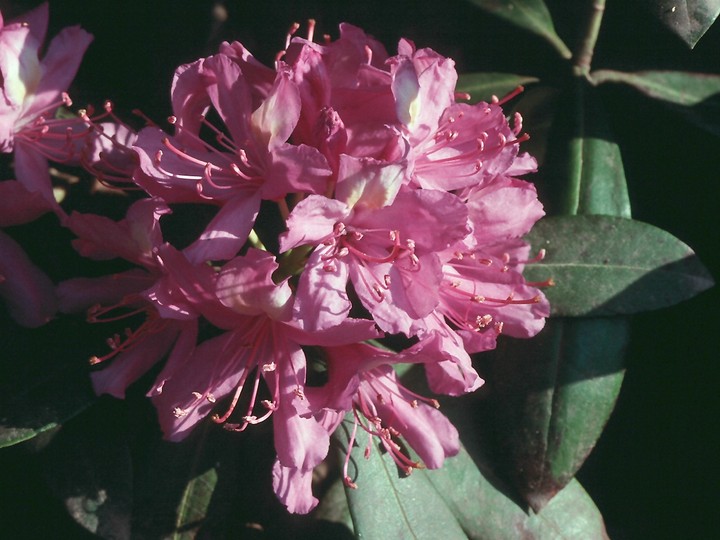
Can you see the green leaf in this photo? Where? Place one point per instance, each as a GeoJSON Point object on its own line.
{"type": "Point", "coordinates": [552, 396]}
{"type": "Point", "coordinates": [688, 19]}
{"type": "Point", "coordinates": [583, 172]}
{"type": "Point", "coordinates": [694, 96]}
{"type": "Point", "coordinates": [606, 265]}
{"type": "Point", "coordinates": [483, 86]}
{"type": "Point", "coordinates": [678, 87]}
{"type": "Point", "coordinates": [555, 393]}
{"type": "Point", "coordinates": [494, 513]}
{"type": "Point", "coordinates": [460, 500]}
{"type": "Point", "coordinates": [194, 504]}
{"type": "Point", "coordinates": [334, 508]}
{"type": "Point", "coordinates": [388, 505]}
{"type": "Point", "coordinates": [532, 15]}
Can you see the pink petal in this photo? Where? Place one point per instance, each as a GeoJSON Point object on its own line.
{"type": "Point", "coordinates": [19, 67]}
{"type": "Point", "coordinates": [32, 171]}
{"type": "Point", "coordinates": [133, 238]}
{"type": "Point", "coordinates": [448, 366]}
{"type": "Point", "coordinates": [367, 183]}
{"type": "Point", "coordinates": [246, 286]}
{"type": "Point", "coordinates": [18, 205]}
{"type": "Point", "coordinates": [502, 209]}
{"type": "Point", "coordinates": [78, 294]}
{"type": "Point", "coordinates": [299, 440]}
{"type": "Point", "coordinates": [274, 121]}
{"type": "Point", "coordinates": [312, 221]}
{"type": "Point", "coordinates": [227, 232]}
{"type": "Point", "coordinates": [28, 292]}
{"type": "Point", "coordinates": [322, 300]}
{"type": "Point", "coordinates": [129, 366]}
{"type": "Point", "coordinates": [190, 99]}
{"type": "Point", "coordinates": [212, 371]}
{"type": "Point", "coordinates": [295, 169]}
{"type": "Point", "coordinates": [173, 179]}
{"type": "Point", "coordinates": [60, 64]}
{"type": "Point", "coordinates": [433, 219]}
{"type": "Point", "coordinates": [181, 352]}
{"type": "Point", "coordinates": [230, 96]}
{"type": "Point", "coordinates": [293, 487]}
{"type": "Point", "coordinates": [186, 289]}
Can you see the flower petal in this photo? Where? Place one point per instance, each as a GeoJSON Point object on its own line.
{"type": "Point", "coordinates": [28, 292]}
{"type": "Point", "coordinates": [293, 487]}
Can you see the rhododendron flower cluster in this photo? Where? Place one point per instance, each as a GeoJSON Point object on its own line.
{"type": "Point", "coordinates": [355, 195]}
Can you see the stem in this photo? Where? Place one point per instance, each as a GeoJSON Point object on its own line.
{"type": "Point", "coordinates": [292, 262]}
{"type": "Point", "coordinates": [583, 55]}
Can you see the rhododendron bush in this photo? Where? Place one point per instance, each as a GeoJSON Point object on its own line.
{"type": "Point", "coordinates": [292, 280]}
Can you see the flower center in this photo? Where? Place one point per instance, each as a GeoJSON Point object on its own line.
{"type": "Point", "coordinates": [368, 248]}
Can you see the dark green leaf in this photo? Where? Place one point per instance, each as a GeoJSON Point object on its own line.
{"type": "Point", "coordinates": [553, 396]}
{"type": "Point", "coordinates": [388, 505]}
{"type": "Point", "coordinates": [532, 15]}
{"type": "Point", "coordinates": [460, 500]}
{"type": "Point", "coordinates": [483, 86]}
{"type": "Point", "coordinates": [555, 393]}
{"type": "Point", "coordinates": [688, 19]}
{"type": "Point", "coordinates": [485, 508]}
{"type": "Point", "coordinates": [678, 87]}
{"type": "Point", "coordinates": [606, 265]}
{"type": "Point", "coordinates": [583, 173]}
{"type": "Point", "coordinates": [194, 504]}
{"type": "Point", "coordinates": [694, 96]}
{"type": "Point", "coordinates": [334, 507]}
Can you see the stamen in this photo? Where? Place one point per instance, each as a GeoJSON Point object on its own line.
{"type": "Point", "coordinates": [368, 55]}
{"type": "Point", "coordinates": [513, 93]}
{"type": "Point", "coordinates": [153, 324]}
{"type": "Point", "coordinates": [311, 29]}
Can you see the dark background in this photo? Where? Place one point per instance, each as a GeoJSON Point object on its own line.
{"type": "Point", "coordinates": [654, 473]}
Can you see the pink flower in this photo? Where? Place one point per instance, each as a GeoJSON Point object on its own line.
{"type": "Point", "coordinates": [170, 318]}
{"type": "Point", "coordinates": [361, 380]}
{"type": "Point", "coordinates": [383, 240]}
{"type": "Point", "coordinates": [32, 89]}
{"type": "Point", "coordinates": [18, 205]}
{"type": "Point", "coordinates": [261, 342]}
{"type": "Point", "coordinates": [450, 145]}
{"type": "Point", "coordinates": [255, 162]}
{"type": "Point", "coordinates": [347, 103]}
